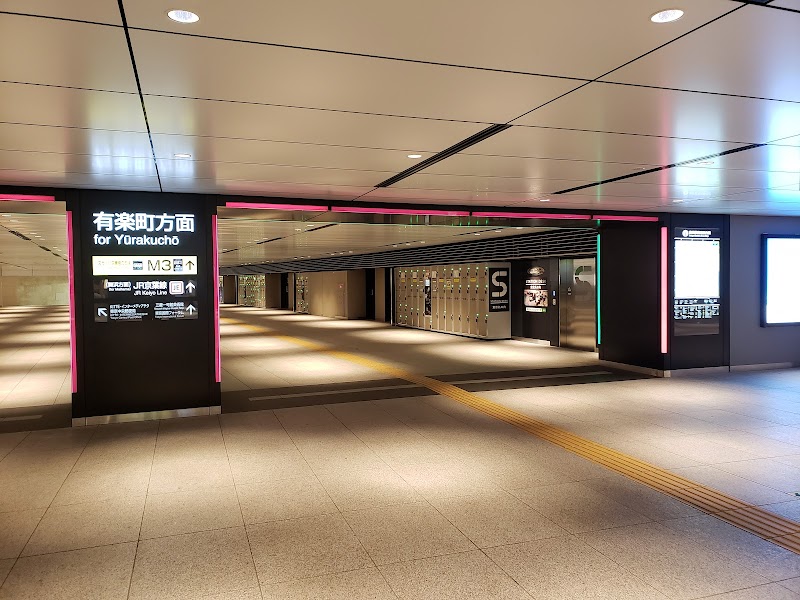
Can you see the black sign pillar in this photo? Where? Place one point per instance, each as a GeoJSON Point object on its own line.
{"type": "Point", "coordinates": [145, 303]}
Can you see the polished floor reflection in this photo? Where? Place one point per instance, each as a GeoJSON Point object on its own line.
{"type": "Point", "coordinates": [34, 367]}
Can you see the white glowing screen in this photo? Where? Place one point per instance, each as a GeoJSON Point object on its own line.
{"type": "Point", "coordinates": [782, 295]}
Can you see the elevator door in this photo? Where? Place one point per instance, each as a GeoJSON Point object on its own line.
{"type": "Point", "coordinates": [577, 304]}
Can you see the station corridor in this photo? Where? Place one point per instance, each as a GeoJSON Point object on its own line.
{"type": "Point", "coordinates": [406, 497]}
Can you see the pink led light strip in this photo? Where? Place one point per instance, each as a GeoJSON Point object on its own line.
{"type": "Point", "coordinates": [523, 215]}
{"type": "Point", "coordinates": [664, 292]}
{"type": "Point", "coordinates": [262, 206]}
{"type": "Point", "coordinates": [625, 218]}
{"type": "Point", "coordinates": [26, 198]}
{"type": "Point", "coordinates": [73, 342]}
{"type": "Point", "coordinates": [400, 211]}
{"type": "Point", "coordinates": [217, 348]}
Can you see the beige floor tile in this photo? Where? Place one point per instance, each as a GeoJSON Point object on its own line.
{"type": "Point", "coordinates": [354, 490]}
{"type": "Point", "coordinates": [352, 413]}
{"type": "Point", "coordinates": [265, 467]}
{"type": "Point", "coordinates": [93, 574]}
{"type": "Point", "coordinates": [567, 568]}
{"type": "Point", "coordinates": [31, 490]}
{"type": "Point", "coordinates": [5, 568]}
{"type": "Point", "coordinates": [188, 472]}
{"type": "Point", "coordinates": [86, 525]}
{"type": "Point", "coordinates": [772, 591]}
{"type": "Point", "coordinates": [189, 512]}
{"type": "Point", "coordinates": [468, 575]}
{"type": "Point", "coordinates": [640, 498]}
{"type": "Point", "coordinates": [671, 562]}
{"type": "Point", "coordinates": [258, 442]}
{"type": "Point", "coordinates": [16, 529]}
{"type": "Point", "coordinates": [9, 441]}
{"type": "Point", "coordinates": [766, 472]}
{"type": "Point", "coordinates": [288, 499]}
{"type": "Point", "coordinates": [792, 584]}
{"type": "Point", "coordinates": [253, 594]}
{"type": "Point", "coordinates": [406, 532]}
{"type": "Point", "coordinates": [577, 508]}
{"type": "Point", "coordinates": [308, 547]}
{"type": "Point", "coordinates": [363, 584]}
{"type": "Point", "coordinates": [304, 417]}
{"type": "Point", "coordinates": [193, 565]}
{"type": "Point", "coordinates": [754, 553]}
{"type": "Point", "coordinates": [734, 485]}
{"type": "Point", "coordinates": [442, 479]}
{"type": "Point", "coordinates": [103, 484]}
{"type": "Point", "coordinates": [495, 519]}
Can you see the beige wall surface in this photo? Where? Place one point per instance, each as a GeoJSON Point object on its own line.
{"type": "Point", "coordinates": [34, 291]}
{"type": "Point", "coordinates": [336, 294]}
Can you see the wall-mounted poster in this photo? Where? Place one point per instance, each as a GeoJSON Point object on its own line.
{"type": "Point", "coordinates": [696, 309]}
{"type": "Point", "coordinates": [536, 290]}
{"type": "Point", "coordinates": [780, 302]}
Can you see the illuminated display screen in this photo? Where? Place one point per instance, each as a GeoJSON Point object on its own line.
{"type": "Point", "coordinates": [781, 293]}
{"type": "Point", "coordinates": [696, 309]}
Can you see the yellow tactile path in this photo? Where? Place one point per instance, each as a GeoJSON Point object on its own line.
{"type": "Point", "coordinates": [769, 526]}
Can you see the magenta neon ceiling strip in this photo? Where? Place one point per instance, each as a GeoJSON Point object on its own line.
{"type": "Point", "coordinates": [367, 210]}
{"type": "Point", "coordinates": [511, 215]}
{"type": "Point", "coordinates": [625, 218]}
{"type": "Point", "coordinates": [664, 292]}
{"type": "Point", "coordinates": [215, 273]}
{"type": "Point", "coordinates": [27, 198]}
{"type": "Point", "coordinates": [268, 206]}
{"type": "Point", "coordinates": [73, 342]}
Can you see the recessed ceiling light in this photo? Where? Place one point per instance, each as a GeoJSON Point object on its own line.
{"type": "Point", "coordinates": [183, 16]}
{"type": "Point", "coordinates": [518, 227]}
{"type": "Point", "coordinates": [667, 16]}
{"type": "Point", "coordinates": [477, 234]}
{"type": "Point", "coordinates": [704, 162]}
{"type": "Point", "coordinates": [298, 229]}
{"type": "Point", "coordinates": [544, 200]}
{"type": "Point", "coordinates": [415, 156]}
{"type": "Point", "coordinates": [182, 155]}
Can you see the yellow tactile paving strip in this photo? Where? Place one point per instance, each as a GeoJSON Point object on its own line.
{"type": "Point", "coordinates": [767, 525]}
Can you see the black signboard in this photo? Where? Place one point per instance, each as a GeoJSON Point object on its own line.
{"type": "Point", "coordinates": [145, 288]}
{"type": "Point", "coordinates": [696, 307]}
{"type": "Point", "coordinates": [498, 289]}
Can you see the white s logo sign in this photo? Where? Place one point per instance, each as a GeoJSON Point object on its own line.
{"type": "Point", "coordinates": [501, 284]}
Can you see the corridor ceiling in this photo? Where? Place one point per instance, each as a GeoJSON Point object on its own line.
{"type": "Point", "coordinates": [325, 100]}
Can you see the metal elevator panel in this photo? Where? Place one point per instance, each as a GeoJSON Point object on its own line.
{"type": "Point", "coordinates": [577, 302]}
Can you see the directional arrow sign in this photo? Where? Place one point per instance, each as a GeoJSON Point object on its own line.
{"type": "Point", "coordinates": [102, 312]}
{"type": "Point", "coordinates": [191, 309]}
{"type": "Point", "coordinates": [190, 265]}
{"type": "Point", "coordinates": [190, 287]}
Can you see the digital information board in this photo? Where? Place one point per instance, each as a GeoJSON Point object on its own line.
{"type": "Point", "coordinates": [536, 290]}
{"type": "Point", "coordinates": [780, 296]}
{"type": "Point", "coordinates": [696, 307]}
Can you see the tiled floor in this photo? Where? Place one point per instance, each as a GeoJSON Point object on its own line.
{"type": "Point", "coordinates": [405, 498]}
{"type": "Point", "coordinates": [34, 363]}
{"type": "Point", "coordinates": [419, 497]}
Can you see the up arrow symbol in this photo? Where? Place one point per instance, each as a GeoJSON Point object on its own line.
{"type": "Point", "coordinates": [191, 309]}
{"type": "Point", "coordinates": [190, 286]}
{"type": "Point", "coordinates": [190, 265]}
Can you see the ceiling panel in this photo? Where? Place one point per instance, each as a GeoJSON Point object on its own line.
{"type": "Point", "coordinates": [63, 107]}
{"type": "Point", "coordinates": [752, 52]}
{"type": "Point", "coordinates": [263, 188]}
{"type": "Point", "coordinates": [26, 257]}
{"type": "Point", "coordinates": [201, 68]}
{"type": "Point", "coordinates": [239, 238]}
{"type": "Point", "coordinates": [514, 35]}
{"type": "Point", "coordinates": [64, 53]}
{"type": "Point", "coordinates": [275, 123]}
{"type": "Point", "coordinates": [81, 180]}
{"type": "Point", "coordinates": [67, 140]}
{"type": "Point", "coordinates": [538, 142]}
{"type": "Point", "coordinates": [515, 167]}
{"type": "Point", "coordinates": [517, 185]}
{"type": "Point", "coordinates": [698, 178]}
{"type": "Point", "coordinates": [76, 163]}
{"type": "Point", "coordinates": [278, 174]}
{"type": "Point", "coordinates": [97, 11]}
{"type": "Point", "coordinates": [257, 152]}
{"type": "Point", "coordinates": [667, 113]}
{"type": "Point", "coordinates": [449, 197]}
{"type": "Point", "coordinates": [794, 4]}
